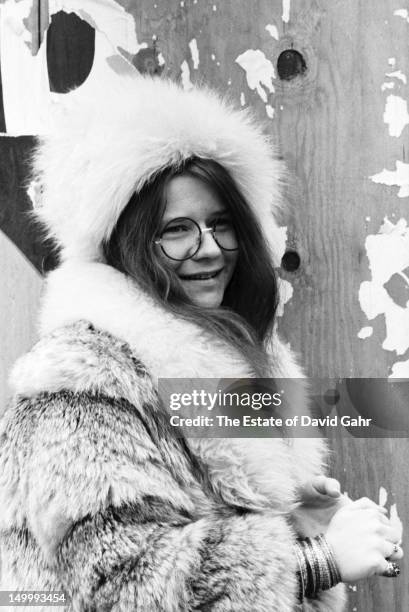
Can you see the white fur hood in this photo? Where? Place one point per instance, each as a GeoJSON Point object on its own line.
{"type": "Point", "coordinates": [96, 156]}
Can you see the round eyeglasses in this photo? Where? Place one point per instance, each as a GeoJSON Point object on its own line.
{"type": "Point", "coordinates": [181, 238]}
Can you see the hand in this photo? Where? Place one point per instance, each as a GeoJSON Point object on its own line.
{"type": "Point", "coordinates": [362, 539]}
{"type": "Point", "coordinates": [320, 499]}
{"type": "Point", "coordinates": [322, 491]}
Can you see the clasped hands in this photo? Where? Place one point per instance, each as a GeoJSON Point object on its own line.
{"type": "Point", "coordinates": [359, 532]}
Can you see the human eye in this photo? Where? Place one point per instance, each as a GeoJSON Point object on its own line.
{"type": "Point", "coordinates": [177, 228]}
{"type": "Point", "coordinates": [223, 223]}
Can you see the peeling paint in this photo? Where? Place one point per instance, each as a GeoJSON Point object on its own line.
{"type": "Point", "coordinates": [259, 71]}
{"type": "Point", "coordinates": [285, 290]}
{"type": "Point", "coordinates": [398, 177]}
{"type": "Point", "coordinates": [272, 30]}
{"type": "Point", "coordinates": [397, 74]}
{"type": "Point", "coordinates": [242, 99]}
{"type": "Point", "coordinates": [396, 115]}
{"type": "Point", "coordinates": [400, 369]}
{"type": "Point", "coordinates": [395, 520]}
{"type": "Point", "coordinates": [270, 111]}
{"type": "Point", "coordinates": [402, 13]}
{"type": "Point", "coordinates": [28, 103]}
{"type": "Point", "coordinates": [365, 332]}
{"type": "Point", "coordinates": [194, 53]}
{"type": "Point", "coordinates": [109, 17]}
{"type": "Point", "coordinates": [385, 86]}
{"type": "Point", "coordinates": [185, 77]}
{"type": "Point", "coordinates": [286, 11]}
{"type": "Point", "coordinates": [388, 254]}
{"type": "Point", "coordinates": [383, 496]}
{"type": "Point", "coordinates": [34, 193]}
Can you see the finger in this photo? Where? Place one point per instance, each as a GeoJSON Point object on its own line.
{"type": "Point", "coordinates": [392, 534]}
{"type": "Point", "coordinates": [318, 484]}
{"type": "Point", "coordinates": [333, 487]}
{"type": "Point", "coordinates": [364, 503]}
{"type": "Point", "coordinates": [391, 550]}
{"type": "Point", "coordinates": [396, 554]}
{"type": "Point", "coordinates": [389, 569]}
{"type": "Point", "coordinates": [326, 486]}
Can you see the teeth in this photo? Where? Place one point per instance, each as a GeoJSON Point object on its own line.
{"type": "Point", "coordinates": [200, 276]}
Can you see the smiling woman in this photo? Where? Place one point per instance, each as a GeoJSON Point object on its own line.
{"type": "Point", "coordinates": [203, 260]}
{"type": "Point", "coordinates": [168, 241]}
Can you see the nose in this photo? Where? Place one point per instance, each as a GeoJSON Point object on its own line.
{"type": "Point", "coordinates": [208, 246]}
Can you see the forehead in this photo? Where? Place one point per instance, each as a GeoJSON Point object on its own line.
{"type": "Point", "coordinates": [188, 196]}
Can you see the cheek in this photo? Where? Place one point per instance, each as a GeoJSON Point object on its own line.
{"type": "Point", "coordinates": [231, 261]}
{"type": "Point", "coordinates": [166, 262]}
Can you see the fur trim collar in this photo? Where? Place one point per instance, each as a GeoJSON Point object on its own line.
{"type": "Point", "coordinates": [172, 348]}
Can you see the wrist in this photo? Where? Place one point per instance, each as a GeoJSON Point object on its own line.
{"type": "Point", "coordinates": [317, 569]}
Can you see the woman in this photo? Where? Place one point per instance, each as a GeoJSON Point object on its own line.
{"type": "Point", "coordinates": [162, 203]}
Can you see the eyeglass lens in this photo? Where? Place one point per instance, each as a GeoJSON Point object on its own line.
{"type": "Point", "coordinates": [181, 238]}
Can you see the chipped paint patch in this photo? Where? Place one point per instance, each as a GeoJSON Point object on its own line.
{"type": "Point", "coordinates": [396, 115]}
{"type": "Point", "coordinates": [397, 74]}
{"type": "Point", "coordinates": [286, 11]}
{"type": "Point", "coordinates": [194, 51]}
{"type": "Point", "coordinates": [270, 111]}
{"type": "Point", "coordinates": [34, 193]}
{"type": "Point", "coordinates": [402, 13]}
{"type": "Point", "coordinates": [365, 332]}
{"type": "Point", "coordinates": [388, 254]}
{"type": "Point", "coordinates": [259, 71]}
{"type": "Point", "coordinates": [385, 86]}
{"type": "Point", "coordinates": [272, 30]}
{"type": "Point", "coordinates": [398, 177]}
{"type": "Point", "coordinates": [400, 369]}
{"type": "Point", "coordinates": [383, 496]}
{"type": "Point", "coordinates": [108, 17]}
{"type": "Point", "coordinates": [185, 76]}
{"type": "Point", "coordinates": [242, 99]}
{"type": "Point", "coordinates": [28, 103]}
{"type": "Point", "coordinates": [395, 520]}
{"type": "Point", "coordinates": [285, 290]}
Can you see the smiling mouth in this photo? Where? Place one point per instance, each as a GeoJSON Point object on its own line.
{"type": "Point", "coordinates": [202, 276]}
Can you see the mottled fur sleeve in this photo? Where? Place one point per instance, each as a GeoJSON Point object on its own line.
{"type": "Point", "coordinates": [119, 512]}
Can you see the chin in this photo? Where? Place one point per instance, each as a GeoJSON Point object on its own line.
{"type": "Point", "coordinates": [206, 301]}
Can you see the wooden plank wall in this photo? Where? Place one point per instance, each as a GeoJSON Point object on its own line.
{"type": "Point", "coordinates": [329, 81]}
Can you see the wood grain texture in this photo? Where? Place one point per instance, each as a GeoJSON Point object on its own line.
{"type": "Point", "coordinates": [329, 121]}
{"type": "Point", "coordinates": [20, 286]}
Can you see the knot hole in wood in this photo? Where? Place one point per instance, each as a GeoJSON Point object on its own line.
{"type": "Point", "coordinates": [290, 64]}
{"type": "Point", "coordinates": [290, 261]}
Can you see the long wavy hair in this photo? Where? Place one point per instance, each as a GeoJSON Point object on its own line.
{"type": "Point", "coordinates": [246, 315]}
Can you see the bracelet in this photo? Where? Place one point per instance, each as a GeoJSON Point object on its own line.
{"type": "Point", "coordinates": [317, 568]}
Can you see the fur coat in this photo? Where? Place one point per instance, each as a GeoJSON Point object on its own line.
{"type": "Point", "coordinates": [98, 496]}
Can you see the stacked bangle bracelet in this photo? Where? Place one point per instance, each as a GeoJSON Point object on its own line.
{"type": "Point", "coordinates": [317, 569]}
